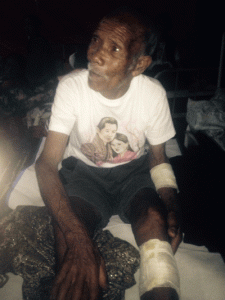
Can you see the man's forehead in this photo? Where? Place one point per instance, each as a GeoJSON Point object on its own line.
{"type": "Point", "coordinates": [121, 32]}
{"type": "Point", "coordinates": [114, 22]}
{"type": "Point", "coordinates": [114, 29]}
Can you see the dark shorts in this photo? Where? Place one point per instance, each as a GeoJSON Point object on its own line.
{"type": "Point", "coordinates": [109, 190]}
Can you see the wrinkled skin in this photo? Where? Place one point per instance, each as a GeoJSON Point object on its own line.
{"type": "Point", "coordinates": [81, 271]}
{"type": "Point", "coordinates": [111, 65]}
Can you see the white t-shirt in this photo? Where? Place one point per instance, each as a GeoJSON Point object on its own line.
{"type": "Point", "coordinates": [107, 133]}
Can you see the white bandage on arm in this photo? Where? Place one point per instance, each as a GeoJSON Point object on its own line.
{"type": "Point", "coordinates": [158, 267]}
{"type": "Point", "coordinates": [163, 176]}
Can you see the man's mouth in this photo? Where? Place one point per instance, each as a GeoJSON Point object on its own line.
{"type": "Point", "coordinates": [94, 72]}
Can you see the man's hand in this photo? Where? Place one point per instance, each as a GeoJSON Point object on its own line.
{"type": "Point", "coordinates": [174, 230]}
{"type": "Point", "coordinates": [82, 272]}
{"type": "Point", "coordinates": [169, 197]}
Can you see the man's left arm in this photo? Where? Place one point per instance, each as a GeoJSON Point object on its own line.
{"type": "Point", "coordinates": [165, 182]}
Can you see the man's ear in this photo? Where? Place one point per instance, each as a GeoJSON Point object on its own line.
{"type": "Point", "coordinates": [142, 64]}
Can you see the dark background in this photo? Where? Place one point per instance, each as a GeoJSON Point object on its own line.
{"type": "Point", "coordinates": [196, 26]}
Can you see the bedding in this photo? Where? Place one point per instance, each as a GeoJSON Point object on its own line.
{"type": "Point", "coordinates": [27, 248]}
{"type": "Point", "coordinates": [208, 117]}
{"type": "Point", "coordinates": [202, 274]}
{"type": "Point", "coordinates": [19, 99]}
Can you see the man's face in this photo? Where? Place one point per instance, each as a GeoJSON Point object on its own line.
{"type": "Point", "coordinates": [108, 133]}
{"type": "Point", "coordinates": [110, 63]}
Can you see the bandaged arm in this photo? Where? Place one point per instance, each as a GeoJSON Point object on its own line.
{"type": "Point", "coordinates": [163, 176]}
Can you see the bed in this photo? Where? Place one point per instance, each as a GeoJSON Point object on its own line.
{"type": "Point", "coordinates": [202, 273]}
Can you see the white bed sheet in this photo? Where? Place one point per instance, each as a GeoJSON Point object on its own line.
{"type": "Point", "coordinates": [202, 274]}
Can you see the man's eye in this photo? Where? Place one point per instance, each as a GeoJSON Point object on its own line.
{"type": "Point", "coordinates": [94, 39]}
{"type": "Point", "coordinates": [115, 49]}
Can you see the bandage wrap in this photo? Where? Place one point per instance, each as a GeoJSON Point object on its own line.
{"type": "Point", "coordinates": [163, 176]}
{"type": "Point", "coordinates": [158, 267]}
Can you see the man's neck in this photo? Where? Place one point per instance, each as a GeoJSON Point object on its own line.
{"type": "Point", "coordinates": [114, 95]}
{"type": "Point", "coordinates": [119, 91]}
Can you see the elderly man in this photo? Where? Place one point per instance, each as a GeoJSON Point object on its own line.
{"type": "Point", "coordinates": [114, 87]}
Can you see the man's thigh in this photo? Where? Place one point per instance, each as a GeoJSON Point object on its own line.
{"type": "Point", "coordinates": [109, 190]}
{"type": "Point", "coordinates": [135, 186]}
{"type": "Point", "coordinates": [137, 181]}
{"type": "Point", "coordinates": [80, 182]}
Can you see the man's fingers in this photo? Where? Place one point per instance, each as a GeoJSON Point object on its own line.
{"type": "Point", "coordinates": [175, 242]}
{"type": "Point", "coordinates": [76, 291]}
{"type": "Point", "coordinates": [80, 279]}
{"type": "Point", "coordinates": [55, 289]}
{"type": "Point", "coordinates": [63, 280]}
{"type": "Point", "coordinates": [93, 285]}
{"type": "Point", "coordinates": [173, 231]}
{"type": "Point", "coordinates": [103, 282]}
{"type": "Point", "coordinates": [64, 289]}
{"type": "Point", "coordinates": [61, 286]}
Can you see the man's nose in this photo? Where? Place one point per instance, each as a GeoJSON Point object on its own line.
{"type": "Point", "coordinates": [96, 55]}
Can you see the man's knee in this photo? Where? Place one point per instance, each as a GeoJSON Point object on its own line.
{"type": "Point", "coordinates": [148, 217]}
{"type": "Point", "coordinates": [146, 204]}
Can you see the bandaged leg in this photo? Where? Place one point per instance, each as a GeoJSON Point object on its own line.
{"type": "Point", "coordinates": [158, 267]}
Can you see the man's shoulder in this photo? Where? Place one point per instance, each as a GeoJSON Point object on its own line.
{"type": "Point", "coordinates": [149, 80]}
{"type": "Point", "coordinates": [146, 83]}
{"type": "Point", "coordinates": [79, 75]}
{"type": "Point", "coordinates": [74, 83]}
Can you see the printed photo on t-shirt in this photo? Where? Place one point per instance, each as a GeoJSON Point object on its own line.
{"type": "Point", "coordinates": [108, 145]}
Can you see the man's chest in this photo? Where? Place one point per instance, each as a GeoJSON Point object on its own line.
{"type": "Point", "coordinates": [106, 121]}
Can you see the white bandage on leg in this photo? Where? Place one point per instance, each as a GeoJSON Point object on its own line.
{"type": "Point", "coordinates": [163, 176]}
{"type": "Point", "coordinates": [158, 267]}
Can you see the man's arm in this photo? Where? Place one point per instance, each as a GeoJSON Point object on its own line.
{"type": "Point", "coordinates": [168, 196]}
{"type": "Point", "coordinates": [80, 261]}
{"type": "Point", "coordinates": [51, 188]}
